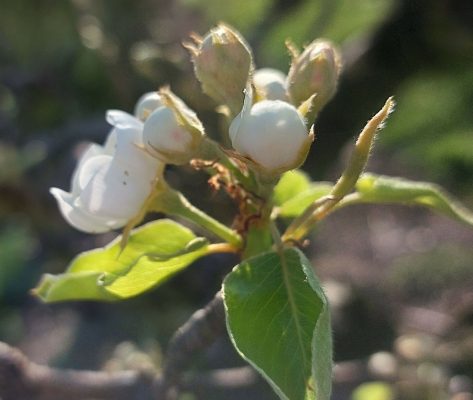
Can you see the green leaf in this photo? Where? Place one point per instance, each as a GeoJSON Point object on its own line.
{"type": "Point", "coordinates": [384, 189]}
{"type": "Point", "coordinates": [291, 184]}
{"type": "Point", "coordinates": [295, 192]}
{"type": "Point", "coordinates": [278, 320]}
{"type": "Point", "coordinates": [296, 205]}
{"type": "Point", "coordinates": [68, 286]}
{"type": "Point", "coordinates": [154, 253]}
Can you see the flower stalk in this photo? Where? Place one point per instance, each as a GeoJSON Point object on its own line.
{"type": "Point", "coordinates": [345, 184]}
{"type": "Point", "coordinates": [174, 203]}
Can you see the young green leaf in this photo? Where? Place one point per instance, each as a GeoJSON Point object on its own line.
{"type": "Point", "coordinates": [296, 205]}
{"type": "Point", "coordinates": [295, 192]}
{"type": "Point", "coordinates": [384, 189]}
{"type": "Point", "coordinates": [72, 286]}
{"type": "Point", "coordinates": [154, 253]}
{"type": "Point", "coordinates": [278, 320]}
{"type": "Point", "coordinates": [291, 184]}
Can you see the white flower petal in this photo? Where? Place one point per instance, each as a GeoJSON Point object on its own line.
{"type": "Point", "coordinates": [271, 82]}
{"type": "Point", "coordinates": [127, 139]}
{"type": "Point", "coordinates": [132, 156]}
{"type": "Point", "coordinates": [147, 104]}
{"type": "Point", "coordinates": [110, 144]}
{"type": "Point", "coordinates": [92, 151]}
{"type": "Point", "coordinates": [245, 111]}
{"type": "Point", "coordinates": [75, 216]}
{"type": "Point", "coordinates": [90, 168]}
{"type": "Point", "coordinates": [121, 119]}
{"type": "Point", "coordinates": [115, 193]}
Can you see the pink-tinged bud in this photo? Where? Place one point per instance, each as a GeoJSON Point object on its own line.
{"type": "Point", "coordinates": [315, 71]}
{"type": "Point", "coordinates": [223, 63]}
{"type": "Point", "coordinates": [172, 133]}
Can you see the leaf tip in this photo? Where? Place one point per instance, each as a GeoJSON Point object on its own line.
{"type": "Point", "coordinates": [41, 291]}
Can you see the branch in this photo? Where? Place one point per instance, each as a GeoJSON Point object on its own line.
{"type": "Point", "coordinates": [202, 328]}
{"type": "Point", "coordinates": [21, 379]}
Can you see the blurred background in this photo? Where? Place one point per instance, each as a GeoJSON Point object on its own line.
{"type": "Point", "coordinates": [400, 280]}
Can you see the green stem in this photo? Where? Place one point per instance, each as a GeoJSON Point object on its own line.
{"type": "Point", "coordinates": [258, 240]}
{"type": "Point", "coordinates": [174, 203]}
{"type": "Point", "coordinates": [304, 222]}
{"type": "Point", "coordinates": [345, 184]}
{"type": "Point", "coordinates": [361, 153]}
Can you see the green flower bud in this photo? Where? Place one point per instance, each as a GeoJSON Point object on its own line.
{"type": "Point", "coordinates": [315, 71]}
{"type": "Point", "coordinates": [222, 63]}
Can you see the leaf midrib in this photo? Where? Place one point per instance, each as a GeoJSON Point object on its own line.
{"type": "Point", "coordinates": [291, 301]}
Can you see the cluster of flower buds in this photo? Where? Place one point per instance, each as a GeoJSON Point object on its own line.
{"type": "Point", "coordinates": [270, 128]}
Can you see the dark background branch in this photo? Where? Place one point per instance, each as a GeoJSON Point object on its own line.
{"type": "Point", "coordinates": [21, 379]}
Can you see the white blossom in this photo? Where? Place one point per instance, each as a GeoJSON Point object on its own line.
{"type": "Point", "coordinates": [111, 182]}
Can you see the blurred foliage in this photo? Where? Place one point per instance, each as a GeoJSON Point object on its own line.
{"type": "Point", "coordinates": [373, 391]}
{"type": "Point", "coordinates": [17, 247]}
{"type": "Point", "coordinates": [334, 20]}
{"type": "Point", "coordinates": [232, 12]}
{"type": "Point", "coordinates": [36, 33]}
{"type": "Point", "coordinates": [301, 21]}
{"type": "Point", "coordinates": [432, 127]}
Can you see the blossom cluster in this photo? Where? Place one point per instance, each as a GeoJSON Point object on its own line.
{"type": "Point", "coordinates": [270, 128]}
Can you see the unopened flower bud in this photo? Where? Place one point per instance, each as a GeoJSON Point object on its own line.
{"type": "Point", "coordinates": [222, 64]}
{"type": "Point", "coordinates": [315, 71]}
{"type": "Point", "coordinates": [270, 84]}
{"type": "Point", "coordinates": [172, 132]}
{"type": "Point", "coordinates": [146, 104]}
{"type": "Point", "coordinates": [271, 134]}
